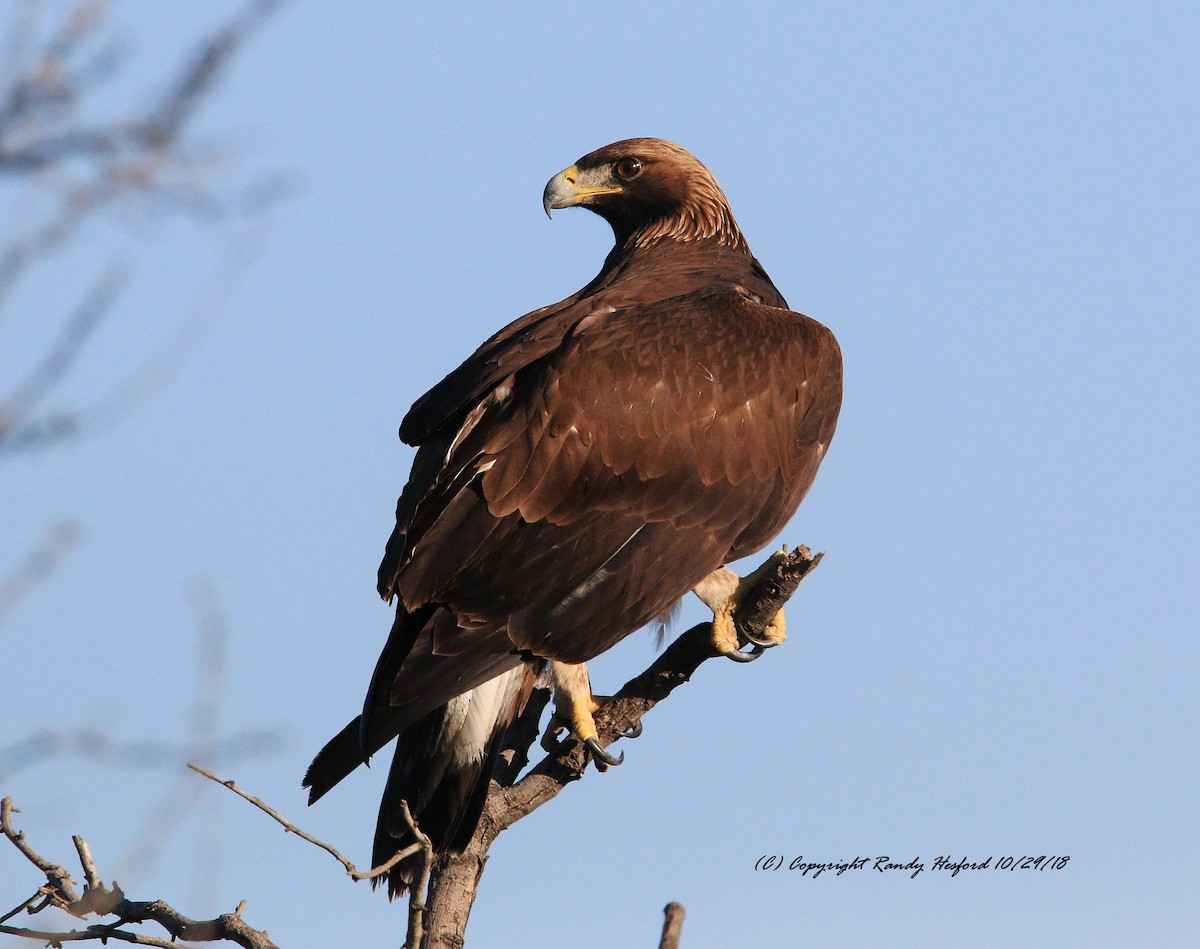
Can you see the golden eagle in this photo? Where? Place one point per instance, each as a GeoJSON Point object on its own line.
{"type": "Point", "coordinates": [585, 468]}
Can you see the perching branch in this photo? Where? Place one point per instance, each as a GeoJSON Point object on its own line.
{"type": "Point", "coordinates": [59, 891]}
{"type": "Point", "coordinates": [674, 667]}
{"type": "Point", "coordinates": [454, 880]}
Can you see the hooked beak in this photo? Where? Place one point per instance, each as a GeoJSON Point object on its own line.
{"type": "Point", "coordinates": [567, 189]}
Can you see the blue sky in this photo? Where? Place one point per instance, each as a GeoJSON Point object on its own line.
{"type": "Point", "coordinates": [994, 206]}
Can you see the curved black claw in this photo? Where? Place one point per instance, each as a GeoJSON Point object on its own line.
{"type": "Point", "coordinates": [603, 759]}
{"type": "Point", "coordinates": [737, 655]}
{"type": "Point", "coordinates": [765, 643]}
{"type": "Point", "coordinates": [633, 731]}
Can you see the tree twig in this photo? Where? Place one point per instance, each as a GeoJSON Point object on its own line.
{"type": "Point", "coordinates": [101, 900]}
{"type": "Point", "coordinates": [90, 876]}
{"type": "Point", "coordinates": [353, 871]}
{"type": "Point", "coordinates": [58, 878]}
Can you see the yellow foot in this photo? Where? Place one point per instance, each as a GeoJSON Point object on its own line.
{"type": "Point", "coordinates": [723, 591]}
{"type": "Point", "coordinates": [574, 710]}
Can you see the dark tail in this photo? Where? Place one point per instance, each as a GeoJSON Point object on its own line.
{"type": "Point", "coordinates": [400, 699]}
{"type": "Point", "coordinates": [449, 739]}
{"type": "Point", "coordinates": [355, 744]}
{"type": "Point", "coordinates": [341, 755]}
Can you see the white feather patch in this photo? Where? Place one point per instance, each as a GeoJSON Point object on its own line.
{"type": "Point", "coordinates": [485, 705]}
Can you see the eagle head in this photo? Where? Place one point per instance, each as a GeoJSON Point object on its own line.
{"type": "Point", "coordinates": [648, 189]}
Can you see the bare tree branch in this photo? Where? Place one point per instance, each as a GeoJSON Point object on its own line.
{"type": "Point", "coordinates": [58, 878]}
{"type": "Point", "coordinates": [100, 900]}
{"type": "Point", "coordinates": [111, 901]}
{"type": "Point", "coordinates": [90, 876]}
{"type": "Point", "coordinates": [674, 667]}
{"type": "Point", "coordinates": [352, 871]}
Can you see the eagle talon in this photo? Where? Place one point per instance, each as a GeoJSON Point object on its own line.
{"type": "Point", "coordinates": [603, 759]}
{"type": "Point", "coordinates": [633, 731]}
{"type": "Point", "coordinates": [738, 655]}
{"type": "Point", "coordinates": [765, 641]}
{"type": "Point", "coordinates": [723, 591]}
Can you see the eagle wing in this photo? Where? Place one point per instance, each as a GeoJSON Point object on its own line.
{"type": "Point", "coordinates": [605, 474]}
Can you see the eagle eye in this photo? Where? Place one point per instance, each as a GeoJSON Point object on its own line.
{"type": "Point", "coordinates": [628, 168]}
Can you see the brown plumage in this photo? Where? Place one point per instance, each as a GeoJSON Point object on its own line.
{"type": "Point", "coordinates": [580, 472]}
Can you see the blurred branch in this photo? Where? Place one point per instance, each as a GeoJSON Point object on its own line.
{"type": "Point", "coordinates": [100, 900]}
{"type": "Point", "coordinates": [73, 336]}
{"type": "Point", "coordinates": [79, 165]}
{"type": "Point", "coordinates": [54, 365]}
{"type": "Point", "coordinates": [37, 565]}
{"type": "Point", "coordinates": [203, 735]}
{"type": "Point", "coordinates": [93, 746]}
{"type": "Point", "coordinates": [184, 796]}
{"type": "Point", "coordinates": [41, 122]}
{"type": "Point", "coordinates": [195, 82]}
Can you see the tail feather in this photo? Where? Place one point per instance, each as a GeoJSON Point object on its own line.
{"type": "Point", "coordinates": [451, 713]}
{"type": "Point", "coordinates": [341, 755]}
{"type": "Point", "coordinates": [431, 680]}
